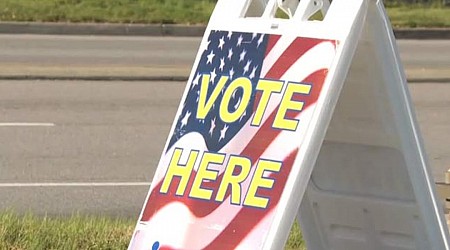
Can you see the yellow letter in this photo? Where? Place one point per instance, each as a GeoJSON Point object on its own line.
{"type": "Point", "coordinates": [203, 105]}
{"type": "Point", "coordinates": [184, 172]}
{"type": "Point", "coordinates": [234, 180]}
{"type": "Point", "coordinates": [259, 182]}
{"type": "Point", "coordinates": [287, 104]}
{"type": "Point", "coordinates": [246, 86]}
{"type": "Point", "coordinates": [204, 174]}
{"type": "Point", "coordinates": [267, 87]}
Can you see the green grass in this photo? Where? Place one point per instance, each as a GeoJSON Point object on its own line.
{"type": "Point", "coordinates": [116, 11]}
{"type": "Point", "coordinates": [419, 16]}
{"type": "Point", "coordinates": [295, 240]}
{"type": "Point", "coordinates": [79, 232]}
{"type": "Point", "coordinates": [30, 232]}
{"type": "Point", "coordinates": [174, 11]}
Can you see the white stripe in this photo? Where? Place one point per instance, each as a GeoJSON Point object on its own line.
{"type": "Point", "coordinates": [26, 124]}
{"type": "Point", "coordinates": [76, 184]}
{"type": "Point", "coordinates": [274, 55]}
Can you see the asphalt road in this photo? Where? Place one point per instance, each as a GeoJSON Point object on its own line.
{"type": "Point", "coordinates": [142, 56]}
{"type": "Point", "coordinates": [84, 133]}
{"type": "Point", "coordinates": [93, 146]}
{"type": "Point", "coordinates": [89, 55]}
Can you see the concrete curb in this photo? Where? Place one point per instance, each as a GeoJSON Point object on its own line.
{"type": "Point", "coordinates": [94, 78]}
{"type": "Point", "coordinates": [422, 33]}
{"type": "Point", "coordinates": [109, 29]}
{"type": "Point", "coordinates": [152, 78]}
{"type": "Point", "coordinates": [106, 29]}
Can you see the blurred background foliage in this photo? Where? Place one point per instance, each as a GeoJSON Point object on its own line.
{"type": "Point", "coordinates": [404, 13]}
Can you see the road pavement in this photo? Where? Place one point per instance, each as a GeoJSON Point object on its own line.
{"type": "Point", "coordinates": [93, 146]}
{"type": "Point", "coordinates": [34, 55]}
{"type": "Point", "coordinates": [55, 133]}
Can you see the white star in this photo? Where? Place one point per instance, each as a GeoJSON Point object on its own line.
{"type": "Point", "coordinates": [221, 42]}
{"type": "Point", "coordinates": [253, 74]}
{"type": "Point", "coordinates": [230, 54]}
{"type": "Point", "coordinates": [247, 66]}
{"type": "Point", "coordinates": [185, 120]}
{"type": "Point", "coordinates": [254, 35]}
{"type": "Point", "coordinates": [229, 34]}
{"type": "Point", "coordinates": [242, 56]}
{"type": "Point", "coordinates": [261, 39]}
{"type": "Point", "coordinates": [213, 75]}
{"type": "Point", "coordinates": [205, 45]}
{"type": "Point", "coordinates": [210, 57]}
{"type": "Point", "coordinates": [213, 126]}
{"type": "Point", "coordinates": [240, 40]}
{"type": "Point", "coordinates": [223, 132]}
{"type": "Point", "coordinates": [196, 80]}
{"type": "Point", "coordinates": [231, 73]}
{"type": "Point", "coordinates": [222, 63]}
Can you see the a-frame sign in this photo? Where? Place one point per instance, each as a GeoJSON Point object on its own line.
{"type": "Point", "coordinates": [287, 117]}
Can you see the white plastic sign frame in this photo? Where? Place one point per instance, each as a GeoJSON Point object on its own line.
{"type": "Point", "coordinates": [243, 154]}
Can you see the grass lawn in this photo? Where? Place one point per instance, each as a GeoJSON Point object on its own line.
{"type": "Point", "coordinates": [419, 17]}
{"type": "Point", "coordinates": [29, 232]}
{"type": "Point", "coordinates": [79, 232]}
{"type": "Point", "coordinates": [171, 11]}
{"type": "Point", "coordinates": [116, 11]}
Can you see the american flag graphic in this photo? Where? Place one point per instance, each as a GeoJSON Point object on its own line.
{"type": "Point", "coordinates": [171, 221]}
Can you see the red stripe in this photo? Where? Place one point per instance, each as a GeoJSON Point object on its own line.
{"type": "Point", "coordinates": [297, 49]}
{"type": "Point", "coordinates": [273, 39]}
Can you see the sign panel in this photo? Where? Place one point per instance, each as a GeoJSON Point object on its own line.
{"type": "Point", "coordinates": [241, 123]}
{"type": "Point", "coordinates": [252, 141]}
